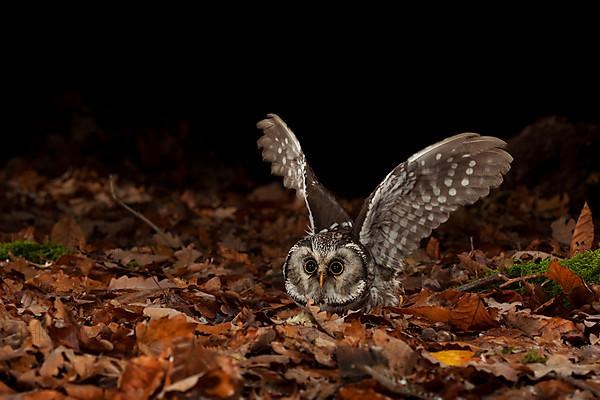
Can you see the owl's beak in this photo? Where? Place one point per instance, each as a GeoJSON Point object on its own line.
{"type": "Point", "coordinates": [321, 278]}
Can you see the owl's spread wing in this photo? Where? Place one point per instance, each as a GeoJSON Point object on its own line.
{"type": "Point", "coordinates": [281, 148]}
{"type": "Point", "coordinates": [419, 194]}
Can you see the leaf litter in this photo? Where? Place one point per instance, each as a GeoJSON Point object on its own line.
{"type": "Point", "coordinates": [192, 305]}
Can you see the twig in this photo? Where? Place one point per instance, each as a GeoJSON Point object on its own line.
{"type": "Point", "coordinates": [158, 231]}
{"type": "Point", "coordinates": [520, 279]}
{"type": "Point", "coordinates": [481, 282]}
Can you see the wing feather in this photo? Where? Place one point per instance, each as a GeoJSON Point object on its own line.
{"type": "Point", "coordinates": [421, 193]}
{"type": "Point", "coordinates": [282, 149]}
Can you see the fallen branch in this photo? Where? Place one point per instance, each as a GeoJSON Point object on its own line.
{"type": "Point", "coordinates": [168, 240]}
{"type": "Point", "coordinates": [520, 279]}
{"type": "Point", "coordinates": [481, 282]}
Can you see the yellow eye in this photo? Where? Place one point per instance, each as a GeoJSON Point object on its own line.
{"type": "Point", "coordinates": [310, 266]}
{"type": "Point", "coordinates": [336, 267]}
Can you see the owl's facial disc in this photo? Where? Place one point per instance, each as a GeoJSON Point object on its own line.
{"type": "Point", "coordinates": [331, 276]}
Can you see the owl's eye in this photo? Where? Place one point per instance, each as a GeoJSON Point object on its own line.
{"type": "Point", "coordinates": [310, 266]}
{"type": "Point", "coordinates": [336, 267]}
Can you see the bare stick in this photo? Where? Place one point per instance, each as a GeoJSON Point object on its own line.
{"type": "Point", "coordinates": [520, 279]}
{"type": "Point", "coordinates": [158, 231]}
{"type": "Point", "coordinates": [481, 282]}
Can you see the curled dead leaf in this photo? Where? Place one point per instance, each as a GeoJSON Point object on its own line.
{"type": "Point", "coordinates": [572, 284]}
{"type": "Point", "coordinates": [462, 310]}
{"type": "Point", "coordinates": [583, 235]}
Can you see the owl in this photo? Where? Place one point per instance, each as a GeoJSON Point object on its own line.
{"type": "Point", "coordinates": [345, 264]}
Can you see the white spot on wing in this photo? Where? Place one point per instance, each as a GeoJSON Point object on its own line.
{"type": "Point", "coordinates": [452, 192]}
{"type": "Point", "coordinates": [464, 182]}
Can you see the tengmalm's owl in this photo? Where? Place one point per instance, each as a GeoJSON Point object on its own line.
{"type": "Point", "coordinates": [355, 265]}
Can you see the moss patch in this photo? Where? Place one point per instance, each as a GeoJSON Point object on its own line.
{"type": "Point", "coordinates": [534, 356]}
{"type": "Point", "coordinates": [34, 252]}
{"type": "Point", "coordinates": [586, 265]}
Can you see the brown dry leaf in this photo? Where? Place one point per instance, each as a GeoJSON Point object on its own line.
{"type": "Point", "coordinates": [218, 375]}
{"type": "Point", "coordinates": [4, 389]}
{"type": "Point", "coordinates": [85, 392]}
{"type": "Point", "coordinates": [43, 395]}
{"type": "Point", "coordinates": [354, 333]}
{"type": "Point", "coordinates": [233, 256]}
{"type": "Point", "coordinates": [562, 366]}
{"type": "Point", "coordinates": [167, 239]}
{"type": "Point", "coordinates": [571, 283]}
{"type": "Point", "coordinates": [68, 233]}
{"type": "Point", "coordinates": [453, 358]}
{"type": "Point", "coordinates": [142, 377]}
{"type": "Point", "coordinates": [186, 257]}
{"type": "Point", "coordinates": [401, 357]}
{"type": "Point", "coordinates": [330, 323]}
{"type": "Point", "coordinates": [139, 283]}
{"type": "Point", "coordinates": [550, 328]}
{"type": "Point", "coordinates": [156, 312]}
{"type": "Point", "coordinates": [352, 392]}
{"type": "Point", "coordinates": [433, 248]}
{"type": "Point", "coordinates": [583, 235]}
{"type": "Point", "coordinates": [471, 263]}
{"type": "Point", "coordinates": [142, 259]}
{"type": "Point", "coordinates": [60, 283]}
{"type": "Point", "coordinates": [562, 229]}
{"type": "Point", "coordinates": [218, 329]}
{"type": "Point", "coordinates": [212, 285]}
{"type": "Point", "coordinates": [496, 368]}
{"type": "Point", "coordinates": [462, 310]}
{"type": "Point", "coordinates": [157, 336]}
{"type": "Point", "coordinates": [39, 336]}
{"type": "Point", "coordinates": [84, 264]}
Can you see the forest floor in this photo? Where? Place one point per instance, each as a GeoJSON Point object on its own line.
{"type": "Point", "coordinates": [95, 303]}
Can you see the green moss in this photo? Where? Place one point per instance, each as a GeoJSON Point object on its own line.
{"type": "Point", "coordinates": [534, 356]}
{"type": "Point", "coordinates": [586, 265]}
{"type": "Point", "coordinates": [34, 252]}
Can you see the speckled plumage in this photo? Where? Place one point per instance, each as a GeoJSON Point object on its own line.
{"type": "Point", "coordinates": [413, 199]}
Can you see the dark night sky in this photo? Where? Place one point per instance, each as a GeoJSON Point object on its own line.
{"type": "Point", "coordinates": [358, 109]}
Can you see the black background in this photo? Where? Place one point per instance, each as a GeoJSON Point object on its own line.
{"type": "Point", "coordinates": [359, 104]}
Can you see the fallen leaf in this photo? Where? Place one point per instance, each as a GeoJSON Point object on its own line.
{"type": "Point", "coordinates": [583, 235]}
{"type": "Point", "coordinates": [157, 336]}
{"type": "Point", "coordinates": [453, 358]}
{"type": "Point", "coordinates": [562, 229]}
{"type": "Point", "coordinates": [141, 259]}
{"type": "Point", "coordinates": [401, 357]}
{"type": "Point", "coordinates": [157, 312]}
{"type": "Point", "coordinates": [562, 366]}
{"type": "Point", "coordinates": [139, 283]}
{"type": "Point", "coordinates": [142, 377]}
{"type": "Point", "coordinates": [433, 248]}
{"type": "Point", "coordinates": [85, 392]}
{"type": "Point", "coordinates": [572, 284]}
{"type": "Point", "coordinates": [39, 336]}
{"type": "Point", "coordinates": [462, 310]}
{"type": "Point", "coordinates": [68, 233]}
{"type": "Point", "coordinates": [496, 368]}
{"type": "Point", "coordinates": [550, 328]}
{"type": "Point", "coordinates": [330, 323]}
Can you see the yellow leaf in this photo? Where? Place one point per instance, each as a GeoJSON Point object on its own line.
{"type": "Point", "coordinates": [453, 358]}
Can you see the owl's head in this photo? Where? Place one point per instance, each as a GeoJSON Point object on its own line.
{"type": "Point", "coordinates": [331, 268]}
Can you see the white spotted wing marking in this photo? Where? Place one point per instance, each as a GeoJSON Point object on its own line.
{"type": "Point", "coordinates": [282, 149]}
{"type": "Point", "coordinates": [419, 194]}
